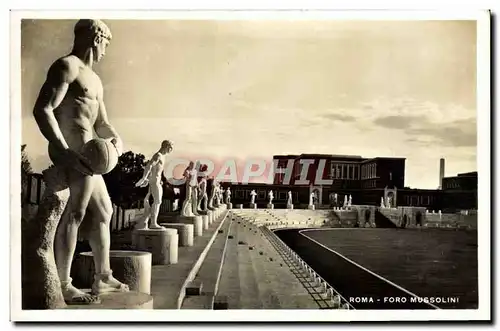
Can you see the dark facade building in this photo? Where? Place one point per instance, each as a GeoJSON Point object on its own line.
{"type": "Point", "coordinates": [367, 180]}
{"type": "Point", "coordinates": [460, 192]}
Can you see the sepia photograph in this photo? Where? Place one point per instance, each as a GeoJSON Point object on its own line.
{"type": "Point", "coordinates": [246, 166]}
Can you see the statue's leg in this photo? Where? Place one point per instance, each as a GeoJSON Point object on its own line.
{"type": "Point", "coordinates": [80, 187]}
{"type": "Point", "coordinates": [186, 206]}
{"type": "Point", "coordinates": [157, 192]}
{"type": "Point", "coordinates": [101, 209]}
{"type": "Point", "coordinates": [198, 207]}
{"type": "Point", "coordinates": [205, 200]}
{"type": "Point", "coordinates": [194, 203]}
{"type": "Point", "coordinates": [142, 223]}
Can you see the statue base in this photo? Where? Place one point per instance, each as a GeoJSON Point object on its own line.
{"type": "Point", "coordinates": [185, 232]}
{"type": "Point", "coordinates": [270, 206]}
{"type": "Point", "coordinates": [197, 222]}
{"type": "Point", "coordinates": [206, 222]}
{"type": "Point", "coordinates": [119, 300]}
{"type": "Point", "coordinates": [289, 206]}
{"type": "Point", "coordinates": [311, 207]}
{"type": "Point", "coordinates": [210, 215]}
{"type": "Point", "coordinates": [162, 243]}
{"type": "Point", "coordinates": [229, 205]}
{"type": "Point", "coordinates": [130, 267]}
{"type": "Point", "coordinates": [253, 206]}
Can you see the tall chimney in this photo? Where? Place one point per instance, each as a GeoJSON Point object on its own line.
{"type": "Point", "coordinates": [441, 173]}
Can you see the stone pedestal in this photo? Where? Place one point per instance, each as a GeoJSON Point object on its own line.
{"type": "Point", "coordinates": [185, 232]}
{"type": "Point", "coordinates": [253, 206]}
{"type": "Point", "coordinates": [311, 207]}
{"type": "Point", "coordinates": [204, 219]}
{"type": "Point", "coordinates": [289, 206]}
{"type": "Point", "coordinates": [41, 288]}
{"type": "Point", "coordinates": [206, 222]}
{"type": "Point", "coordinates": [162, 243]}
{"type": "Point", "coordinates": [130, 267]}
{"type": "Point", "coordinates": [197, 222]}
{"type": "Point", "coordinates": [210, 215]}
{"type": "Point", "coordinates": [120, 300]}
{"type": "Point", "coordinates": [270, 206]}
{"type": "Point", "coordinates": [229, 206]}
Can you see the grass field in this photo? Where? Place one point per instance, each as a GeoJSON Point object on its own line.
{"type": "Point", "coordinates": [427, 262]}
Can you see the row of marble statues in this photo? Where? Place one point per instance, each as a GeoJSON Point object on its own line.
{"type": "Point", "coordinates": [196, 202]}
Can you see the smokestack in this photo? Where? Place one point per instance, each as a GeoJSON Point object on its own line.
{"type": "Point", "coordinates": [441, 173]}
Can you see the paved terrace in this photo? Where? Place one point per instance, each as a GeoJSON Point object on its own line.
{"type": "Point", "coordinates": [237, 264]}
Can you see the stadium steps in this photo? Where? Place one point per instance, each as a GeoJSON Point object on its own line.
{"type": "Point", "coordinates": [208, 273]}
{"type": "Point", "coordinates": [238, 282]}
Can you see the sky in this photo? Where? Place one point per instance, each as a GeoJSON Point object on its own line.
{"type": "Point", "coordinates": [253, 89]}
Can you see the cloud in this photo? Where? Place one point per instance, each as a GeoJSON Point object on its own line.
{"type": "Point", "coordinates": [338, 117]}
{"type": "Point", "coordinates": [422, 122]}
{"type": "Point", "coordinates": [461, 133]}
{"type": "Point", "coordinates": [395, 122]}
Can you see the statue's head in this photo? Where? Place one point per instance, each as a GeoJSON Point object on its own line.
{"type": "Point", "coordinates": [93, 34]}
{"type": "Point", "coordinates": [166, 146]}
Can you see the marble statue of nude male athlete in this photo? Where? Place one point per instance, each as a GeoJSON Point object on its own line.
{"type": "Point", "coordinates": [68, 108]}
{"type": "Point", "coordinates": [152, 178]}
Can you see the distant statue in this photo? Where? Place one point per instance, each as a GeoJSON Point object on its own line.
{"type": "Point", "coordinates": [218, 190]}
{"type": "Point", "coordinates": [68, 110]}
{"type": "Point", "coordinates": [190, 203]}
{"type": "Point", "coordinates": [270, 195]}
{"type": "Point", "coordinates": [220, 196]}
{"type": "Point", "coordinates": [228, 195]}
{"type": "Point", "coordinates": [151, 177]}
{"type": "Point", "coordinates": [289, 201]}
{"type": "Point", "coordinates": [252, 196]}
{"type": "Point", "coordinates": [382, 204]}
{"type": "Point", "coordinates": [311, 199]}
{"type": "Point", "coordinates": [349, 202]}
{"type": "Point", "coordinates": [345, 201]}
{"type": "Point", "coordinates": [389, 202]}
{"type": "Point", "coordinates": [212, 203]}
{"type": "Point", "coordinates": [202, 191]}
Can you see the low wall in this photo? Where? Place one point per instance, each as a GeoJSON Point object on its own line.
{"type": "Point", "coordinates": [453, 220]}
{"type": "Point", "coordinates": [366, 215]}
{"type": "Point", "coordinates": [346, 218]}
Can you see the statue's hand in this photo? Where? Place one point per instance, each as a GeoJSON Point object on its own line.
{"type": "Point", "coordinates": [77, 161]}
{"type": "Point", "coordinates": [142, 182]}
{"type": "Point", "coordinates": [117, 145]}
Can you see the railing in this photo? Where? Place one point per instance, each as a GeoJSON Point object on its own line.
{"type": "Point", "coordinates": [329, 293]}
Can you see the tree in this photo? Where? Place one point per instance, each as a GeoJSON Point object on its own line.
{"type": "Point", "coordinates": [120, 182]}
{"type": "Point", "coordinates": [26, 170]}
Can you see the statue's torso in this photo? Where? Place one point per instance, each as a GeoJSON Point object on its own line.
{"type": "Point", "coordinates": [78, 111]}
{"type": "Point", "coordinates": [156, 169]}
{"type": "Point", "coordinates": [79, 108]}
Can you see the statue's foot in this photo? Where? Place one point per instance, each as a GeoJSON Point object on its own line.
{"type": "Point", "coordinates": [140, 225]}
{"type": "Point", "coordinates": [106, 283]}
{"type": "Point", "coordinates": [156, 226]}
{"type": "Point", "coordinates": [73, 296]}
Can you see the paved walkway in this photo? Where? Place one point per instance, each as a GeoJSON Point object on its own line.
{"type": "Point", "coordinates": [255, 276]}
